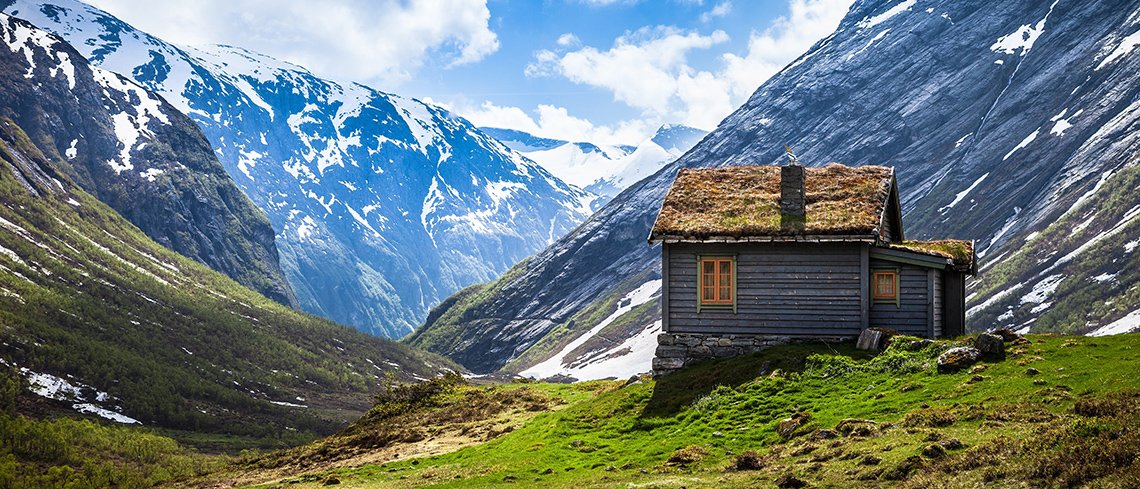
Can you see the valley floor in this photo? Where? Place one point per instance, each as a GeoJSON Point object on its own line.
{"type": "Point", "coordinates": [1058, 411]}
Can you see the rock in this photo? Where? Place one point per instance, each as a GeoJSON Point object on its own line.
{"type": "Point", "coordinates": [717, 434]}
{"type": "Point", "coordinates": [667, 364]}
{"type": "Point", "coordinates": [875, 339]}
{"type": "Point", "coordinates": [1006, 334]}
{"type": "Point", "coordinates": [977, 378]}
{"type": "Point", "coordinates": [824, 435]}
{"type": "Point", "coordinates": [1031, 371]}
{"type": "Point", "coordinates": [991, 346]}
{"type": "Point", "coordinates": [789, 481]}
{"type": "Point", "coordinates": [633, 380]}
{"type": "Point", "coordinates": [331, 481]}
{"type": "Point", "coordinates": [870, 460]}
{"type": "Point", "coordinates": [956, 359]}
{"type": "Point", "coordinates": [869, 339]}
{"type": "Point", "coordinates": [665, 339]}
{"type": "Point", "coordinates": [788, 426]}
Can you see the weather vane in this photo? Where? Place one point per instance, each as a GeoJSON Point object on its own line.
{"type": "Point", "coordinates": [791, 155]}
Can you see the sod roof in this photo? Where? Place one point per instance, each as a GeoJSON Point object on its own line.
{"type": "Point", "coordinates": [743, 202]}
{"type": "Point", "coordinates": [960, 252]}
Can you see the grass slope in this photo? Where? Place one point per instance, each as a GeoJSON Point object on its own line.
{"type": "Point", "coordinates": [85, 295]}
{"type": "Point", "coordinates": [1059, 411]}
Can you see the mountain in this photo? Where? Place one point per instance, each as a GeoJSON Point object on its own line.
{"type": "Point", "coordinates": [138, 154]}
{"type": "Point", "coordinates": [104, 320]}
{"type": "Point", "coordinates": [383, 205]}
{"type": "Point", "coordinates": [1011, 123]}
{"type": "Point", "coordinates": [600, 169]}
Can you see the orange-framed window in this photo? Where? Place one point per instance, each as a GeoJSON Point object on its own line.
{"type": "Point", "coordinates": [885, 285]}
{"type": "Point", "coordinates": [718, 285]}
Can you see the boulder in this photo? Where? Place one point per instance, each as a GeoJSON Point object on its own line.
{"type": "Point", "coordinates": [875, 339]}
{"type": "Point", "coordinates": [956, 359]}
{"type": "Point", "coordinates": [991, 345]}
{"type": "Point", "coordinates": [1007, 335]}
{"type": "Point", "coordinates": [787, 427]}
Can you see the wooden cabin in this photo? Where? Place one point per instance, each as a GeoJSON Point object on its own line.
{"type": "Point", "coordinates": [754, 256]}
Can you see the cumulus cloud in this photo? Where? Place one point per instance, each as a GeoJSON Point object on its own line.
{"type": "Point", "coordinates": [368, 40]}
{"type": "Point", "coordinates": [720, 10]}
{"type": "Point", "coordinates": [555, 122]}
{"type": "Point", "coordinates": [648, 69]}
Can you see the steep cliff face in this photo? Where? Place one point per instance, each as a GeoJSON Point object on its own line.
{"type": "Point", "coordinates": [136, 153]}
{"type": "Point", "coordinates": [384, 205]}
{"type": "Point", "coordinates": [1001, 119]}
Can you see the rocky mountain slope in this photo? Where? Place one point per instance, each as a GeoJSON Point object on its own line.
{"type": "Point", "coordinates": [1011, 123]}
{"type": "Point", "coordinates": [100, 319]}
{"type": "Point", "coordinates": [383, 205]}
{"type": "Point", "coordinates": [600, 169]}
{"type": "Point", "coordinates": [136, 153]}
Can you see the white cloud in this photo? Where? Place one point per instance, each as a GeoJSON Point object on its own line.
{"type": "Point", "coordinates": [556, 122]}
{"type": "Point", "coordinates": [643, 69]}
{"type": "Point", "coordinates": [720, 10]}
{"type": "Point", "coordinates": [568, 39]}
{"type": "Point", "coordinates": [382, 41]}
{"type": "Point", "coordinates": [783, 41]}
{"type": "Point", "coordinates": [648, 69]}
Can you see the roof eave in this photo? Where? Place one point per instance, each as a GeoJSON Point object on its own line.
{"type": "Point", "coordinates": [821, 238]}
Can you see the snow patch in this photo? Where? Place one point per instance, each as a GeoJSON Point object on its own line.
{"type": "Point", "coordinates": [1043, 290]}
{"type": "Point", "coordinates": [869, 22]}
{"type": "Point", "coordinates": [557, 363]}
{"type": "Point", "coordinates": [1126, 324]}
{"type": "Point", "coordinates": [1024, 142]}
{"type": "Point", "coordinates": [1023, 38]}
{"type": "Point", "coordinates": [71, 152]}
{"type": "Point", "coordinates": [88, 408]}
{"type": "Point", "coordinates": [1105, 277]}
{"type": "Point", "coordinates": [961, 195]}
{"type": "Point", "coordinates": [151, 174]}
{"type": "Point", "coordinates": [1126, 46]}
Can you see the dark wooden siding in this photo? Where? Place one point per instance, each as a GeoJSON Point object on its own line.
{"type": "Point", "coordinates": [939, 301]}
{"type": "Point", "coordinates": [787, 289]}
{"type": "Point", "coordinates": [912, 313]}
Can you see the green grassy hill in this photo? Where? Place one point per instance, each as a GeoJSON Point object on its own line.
{"type": "Point", "coordinates": [144, 332]}
{"type": "Point", "coordinates": [1058, 411]}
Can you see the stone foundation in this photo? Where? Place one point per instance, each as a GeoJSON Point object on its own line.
{"type": "Point", "coordinates": [678, 350]}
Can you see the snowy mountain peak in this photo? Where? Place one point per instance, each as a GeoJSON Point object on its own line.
{"type": "Point", "coordinates": [383, 205]}
{"type": "Point", "coordinates": [601, 169]}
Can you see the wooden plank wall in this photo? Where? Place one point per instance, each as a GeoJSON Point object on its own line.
{"type": "Point", "coordinates": [939, 302]}
{"type": "Point", "coordinates": [912, 314]}
{"type": "Point", "coordinates": [785, 289]}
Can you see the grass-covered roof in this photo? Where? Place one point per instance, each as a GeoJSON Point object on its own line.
{"type": "Point", "coordinates": [744, 202]}
{"type": "Point", "coordinates": [960, 252]}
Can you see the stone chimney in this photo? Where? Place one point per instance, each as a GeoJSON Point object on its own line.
{"type": "Point", "coordinates": [792, 194]}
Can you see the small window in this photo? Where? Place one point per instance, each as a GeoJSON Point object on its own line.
{"type": "Point", "coordinates": [885, 286]}
{"type": "Point", "coordinates": [718, 287]}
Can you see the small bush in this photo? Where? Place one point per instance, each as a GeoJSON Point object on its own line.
{"type": "Point", "coordinates": [929, 418]}
{"type": "Point", "coordinates": [748, 460]}
{"type": "Point", "coordinates": [688, 455]}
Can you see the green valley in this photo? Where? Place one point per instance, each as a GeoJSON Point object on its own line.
{"type": "Point", "coordinates": [1058, 410]}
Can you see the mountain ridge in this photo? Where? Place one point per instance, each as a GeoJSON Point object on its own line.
{"type": "Point", "coordinates": [376, 199]}
{"type": "Point", "coordinates": [139, 155]}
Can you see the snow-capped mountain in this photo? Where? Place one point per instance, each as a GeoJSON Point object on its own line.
{"type": "Point", "coordinates": [600, 169]}
{"type": "Point", "coordinates": [138, 154]}
{"type": "Point", "coordinates": [1013, 123]}
{"type": "Point", "coordinates": [383, 205]}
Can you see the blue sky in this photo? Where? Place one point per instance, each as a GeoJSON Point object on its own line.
{"type": "Point", "coordinates": [607, 71]}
